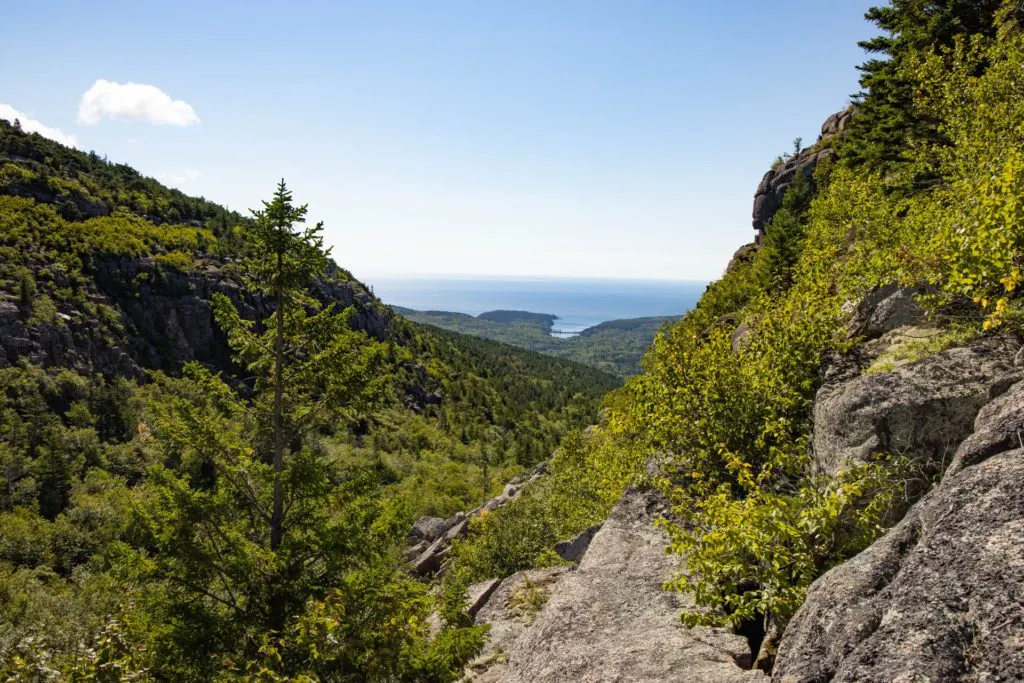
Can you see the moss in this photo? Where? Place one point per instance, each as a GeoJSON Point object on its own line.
{"type": "Point", "coordinates": [916, 343]}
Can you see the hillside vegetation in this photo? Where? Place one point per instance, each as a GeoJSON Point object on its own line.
{"type": "Point", "coordinates": [241, 516]}
{"type": "Point", "coordinates": [925, 189]}
{"type": "Point", "coordinates": [613, 346]}
{"type": "Point", "coordinates": [238, 517]}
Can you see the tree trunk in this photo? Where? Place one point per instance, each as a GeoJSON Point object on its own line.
{"type": "Point", "coordinates": [277, 515]}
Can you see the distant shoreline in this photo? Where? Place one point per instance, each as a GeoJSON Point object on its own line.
{"type": "Point", "coordinates": [577, 304]}
{"type": "Point", "coordinates": [526, 278]}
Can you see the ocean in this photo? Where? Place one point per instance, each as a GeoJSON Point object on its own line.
{"type": "Point", "coordinates": [578, 303]}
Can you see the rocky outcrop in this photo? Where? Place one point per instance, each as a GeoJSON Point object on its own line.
{"type": "Point", "coordinates": [885, 309]}
{"type": "Point", "coordinates": [776, 181]}
{"type": "Point", "coordinates": [941, 596]}
{"type": "Point", "coordinates": [835, 124]}
{"type": "Point", "coordinates": [610, 620]}
{"type": "Point", "coordinates": [429, 528]}
{"type": "Point", "coordinates": [73, 205]}
{"type": "Point", "coordinates": [430, 538]}
{"type": "Point", "coordinates": [510, 610]}
{"type": "Point", "coordinates": [155, 318]}
{"type": "Point", "coordinates": [923, 410]}
{"type": "Point", "coordinates": [743, 255]}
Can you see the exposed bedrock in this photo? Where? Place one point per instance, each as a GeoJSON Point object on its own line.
{"type": "Point", "coordinates": [940, 597]}
{"type": "Point", "coordinates": [777, 181]}
{"type": "Point", "coordinates": [159, 318]}
{"type": "Point", "coordinates": [923, 410]}
{"type": "Point", "coordinates": [610, 620]}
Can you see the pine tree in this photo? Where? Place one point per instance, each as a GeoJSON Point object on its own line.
{"type": "Point", "coordinates": [264, 522]}
{"type": "Point", "coordinates": [784, 234]}
{"type": "Point", "coordinates": [285, 263]}
{"type": "Point", "coordinates": [886, 121]}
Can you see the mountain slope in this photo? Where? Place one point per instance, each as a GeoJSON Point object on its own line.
{"type": "Point", "coordinates": [122, 293]}
{"type": "Point", "coordinates": [106, 287]}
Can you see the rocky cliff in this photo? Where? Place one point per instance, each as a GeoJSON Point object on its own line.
{"type": "Point", "coordinates": [153, 317]}
{"type": "Point", "coordinates": [939, 597]}
{"type": "Point", "coordinates": [773, 186]}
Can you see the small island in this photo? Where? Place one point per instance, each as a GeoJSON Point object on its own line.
{"type": "Point", "coordinates": [519, 317]}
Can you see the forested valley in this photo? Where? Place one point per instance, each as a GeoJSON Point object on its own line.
{"type": "Point", "coordinates": [613, 346]}
{"type": "Point", "coordinates": [214, 441]}
{"type": "Point", "coordinates": [209, 462]}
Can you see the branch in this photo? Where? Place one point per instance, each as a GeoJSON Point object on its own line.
{"type": "Point", "coordinates": [249, 494]}
{"type": "Point", "coordinates": [198, 590]}
{"type": "Point", "coordinates": [220, 572]}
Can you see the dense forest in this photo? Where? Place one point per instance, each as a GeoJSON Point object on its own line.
{"type": "Point", "coordinates": [613, 346]}
{"type": "Point", "coordinates": [210, 457]}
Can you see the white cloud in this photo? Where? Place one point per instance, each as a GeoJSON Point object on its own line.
{"type": "Point", "coordinates": [30, 125]}
{"type": "Point", "coordinates": [133, 102]}
{"type": "Point", "coordinates": [189, 175]}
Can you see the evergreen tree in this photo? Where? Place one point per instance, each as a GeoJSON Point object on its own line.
{"type": "Point", "coordinates": [784, 234]}
{"type": "Point", "coordinates": [263, 522]}
{"type": "Point", "coordinates": [886, 121]}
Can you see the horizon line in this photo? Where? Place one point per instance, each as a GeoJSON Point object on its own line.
{"type": "Point", "coordinates": [505, 277]}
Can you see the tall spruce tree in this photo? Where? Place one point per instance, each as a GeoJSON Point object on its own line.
{"type": "Point", "coordinates": [284, 264]}
{"type": "Point", "coordinates": [265, 522]}
{"type": "Point", "coordinates": [887, 122]}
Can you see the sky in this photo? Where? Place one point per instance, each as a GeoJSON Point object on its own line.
{"type": "Point", "coordinates": [557, 138]}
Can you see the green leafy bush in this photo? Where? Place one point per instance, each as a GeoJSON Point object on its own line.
{"type": "Point", "coordinates": [175, 260]}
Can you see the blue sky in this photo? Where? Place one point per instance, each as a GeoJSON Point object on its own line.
{"type": "Point", "coordinates": [503, 137]}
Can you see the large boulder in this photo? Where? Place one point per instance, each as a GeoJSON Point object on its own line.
{"type": "Point", "coordinates": [938, 598]}
{"type": "Point", "coordinates": [429, 528]}
{"type": "Point", "coordinates": [884, 309]}
{"type": "Point", "coordinates": [922, 410]}
{"type": "Point", "coordinates": [610, 620]}
{"type": "Point", "coordinates": [836, 124]}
